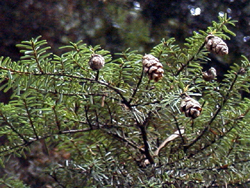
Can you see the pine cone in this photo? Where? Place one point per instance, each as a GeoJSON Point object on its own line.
{"type": "Point", "coordinates": [153, 67]}
{"type": "Point", "coordinates": [210, 74]}
{"type": "Point", "coordinates": [96, 62]}
{"type": "Point", "coordinates": [242, 71]}
{"type": "Point", "coordinates": [216, 44]}
{"type": "Point", "coordinates": [190, 106]}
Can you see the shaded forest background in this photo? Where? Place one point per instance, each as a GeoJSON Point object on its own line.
{"type": "Point", "coordinates": [116, 24]}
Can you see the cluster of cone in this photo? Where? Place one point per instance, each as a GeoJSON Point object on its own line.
{"type": "Point", "coordinates": [215, 45]}
{"type": "Point", "coordinates": [154, 69]}
{"type": "Point", "coordinates": [190, 106]}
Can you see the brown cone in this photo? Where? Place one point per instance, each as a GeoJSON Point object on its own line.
{"type": "Point", "coordinates": [216, 45]}
{"type": "Point", "coordinates": [210, 74]}
{"type": "Point", "coordinates": [153, 67]}
{"type": "Point", "coordinates": [190, 106]}
{"type": "Point", "coordinates": [96, 62]}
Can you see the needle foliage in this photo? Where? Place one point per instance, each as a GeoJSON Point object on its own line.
{"type": "Point", "coordinates": [123, 130]}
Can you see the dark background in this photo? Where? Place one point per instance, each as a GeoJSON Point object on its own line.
{"type": "Point", "coordinates": [117, 24]}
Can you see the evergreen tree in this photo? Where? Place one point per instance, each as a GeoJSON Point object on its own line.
{"type": "Point", "coordinates": [137, 120]}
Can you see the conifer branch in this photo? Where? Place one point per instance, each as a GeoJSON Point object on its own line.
{"type": "Point", "coordinates": [123, 139]}
{"type": "Point", "coordinates": [30, 119]}
{"type": "Point", "coordinates": [36, 56]}
{"type": "Point", "coordinates": [57, 121]}
{"type": "Point", "coordinates": [12, 128]}
{"type": "Point", "coordinates": [214, 116]}
{"type": "Point", "coordinates": [240, 117]}
{"type": "Point", "coordinates": [137, 87]}
{"type": "Point", "coordinates": [124, 100]}
{"type": "Point", "coordinates": [145, 139]}
{"type": "Point", "coordinates": [191, 59]}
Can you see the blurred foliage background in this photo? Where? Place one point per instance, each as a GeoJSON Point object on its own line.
{"type": "Point", "coordinates": [117, 24]}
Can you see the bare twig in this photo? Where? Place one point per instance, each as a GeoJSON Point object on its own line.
{"type": "Point", "coordinates": [179, 129]}
{"type": "Point", "coordinates": [176, 134]}
{"type": "Point", "coordinates": [145, 138]}
{"type": "Point", "coordinates": [146, 145]}
{"type": "Point", "coordinates": [137, 87]}
{"type": "Point", "coordinates": [125, 141]}
{"type": "Point", "coordinates": [97, 75]}
{"type": "Point", "coordinates": [58, 123]}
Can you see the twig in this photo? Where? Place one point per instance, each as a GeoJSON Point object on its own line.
{"type": "Point", "coordinates": [222, 136]}
{"type": "Point", "coordinates": [169, 139]}
{"type": "Point", "coordinates": [36, 57]}
{"type": "Point", "coordinates": [146, 146]}
{"type": "Point", "coordinates": [178, 128]}
{"type": "Point", "coordinates": [74, 94]}
{"type": "Point", "coordinates": [214, 116]}
{"type": "Point", "coordinates": [110, 113]}
{"type": "Point", "coordinates": [124, 100]}
{"type": "Point", "coordinates": [31, 121]}
{"type": "Point", "coordinates": [191, 59]}
{"type": "Point", "coordinates": [13, 129]}
{"type": "Point", "coordinates": [145, 104]}
{"type": "Point", "coordinates": [87, 118]}
{"type": "Point", "coordinates": [97, 75]}
{"type": "Point", "coordinates": [126, 141]}
{"type": "Point", "coordinates": [137, 87]}
{"type": "Point", "coordinates": [78, 130]}
{"type": "Point", "coordinates": [58, 123]}
{"type": "Point", "coordinates": [145, 139]}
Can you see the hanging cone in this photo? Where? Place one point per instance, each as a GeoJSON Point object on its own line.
{"type": "Point", "coordinates": [210, 74]}
{"type": "Point", "coordinates": [96, 62]}
{"type": "Point", "coordinates": [190, 106]}
{"type": "Point", "coordinates": [153, 67]}
{"type": "Point", "coordinates": [216, 44]}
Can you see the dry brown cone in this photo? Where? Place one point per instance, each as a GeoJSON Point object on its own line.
{"type": "Point", "coordinates": [210, 74]}
{"type": "Point", "coordinates": [242, 71]}
{"type": "Point", "coordinates": [216, 44]}
{"type": "Point", "coordinates": [152, 67]}
{"type": "Point", "coordinates": [96, 62]}
{"type": "Point", "coordinates": [190, 106]}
